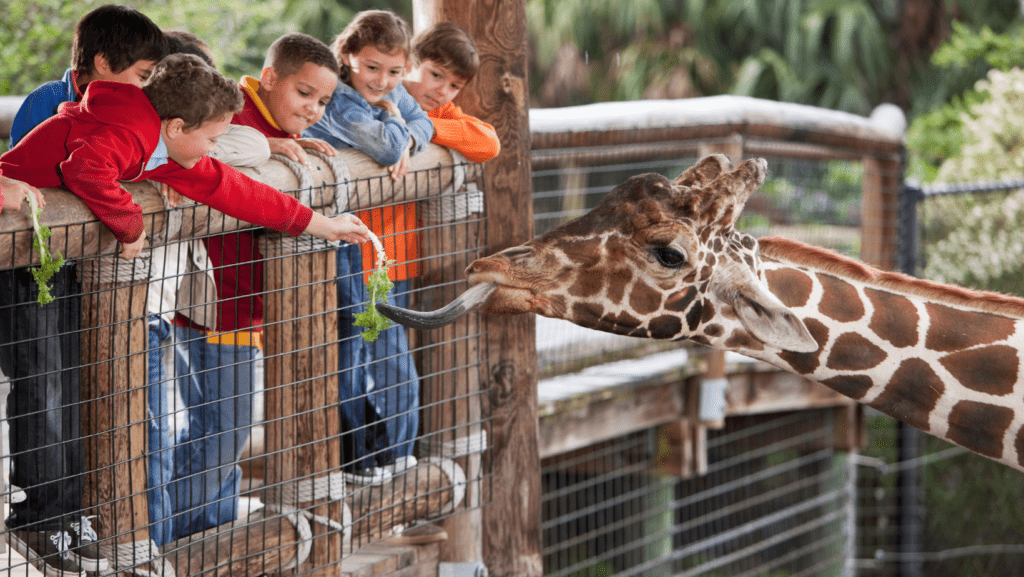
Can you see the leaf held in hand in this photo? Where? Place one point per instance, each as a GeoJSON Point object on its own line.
{"type": "Point", "coordinates": [378, 286]}
{"type": "Point", "coordinates": [48, 265]}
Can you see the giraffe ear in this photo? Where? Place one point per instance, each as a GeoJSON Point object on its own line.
{"type": "Point", "coordinates": [772, 323]}
{"type": "Point", "coordinates": [761, 313]}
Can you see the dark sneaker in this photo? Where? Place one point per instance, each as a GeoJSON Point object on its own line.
{"type": "Point", "coordinates": [47, 550]}
{"type": "Point", "coordinates": [84, 548]}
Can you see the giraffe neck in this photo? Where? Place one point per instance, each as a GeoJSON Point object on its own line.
{"type": "Point", "coordinates": [943, 359]}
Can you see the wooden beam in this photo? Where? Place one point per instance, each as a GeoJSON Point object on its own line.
{"type": "Point", "coordinates": [499, 95]}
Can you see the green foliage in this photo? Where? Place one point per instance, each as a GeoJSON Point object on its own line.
{"type": "Point", "coordinates": [378, 285]}
{"type": "Point", "coordinates": [37, 34]}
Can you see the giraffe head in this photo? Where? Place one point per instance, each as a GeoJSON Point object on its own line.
{"type": "Point", "coordinates": [655, 259]}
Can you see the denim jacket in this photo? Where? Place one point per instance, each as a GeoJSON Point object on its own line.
{"type": "Point", "coordinates": [351, 122]}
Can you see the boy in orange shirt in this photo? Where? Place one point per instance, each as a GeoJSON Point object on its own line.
{"type": "Point", "coordinates": [445, 59]}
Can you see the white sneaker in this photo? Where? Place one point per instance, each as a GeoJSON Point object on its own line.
{"type": "Point", "coordinates": [368, 476]}
{"type": "Point", "coordinates": [401, 465]}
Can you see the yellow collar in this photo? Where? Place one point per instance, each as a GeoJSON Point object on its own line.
{"type": "Point", "coordinates": [251, 86]}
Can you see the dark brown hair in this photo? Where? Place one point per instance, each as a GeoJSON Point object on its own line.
{"type": "Point", "coordinates": [183, 86]}
{"type": "Point", "coordinates": [289, 53]}
{"type": "Point", "coordinates": [382, 29]}
{"type": "Point", "coordinates": [121, 34]}
{"type": "Point", "coordinates": [448, 46]}
{"type": "Point", "coordinates": [185, 42]}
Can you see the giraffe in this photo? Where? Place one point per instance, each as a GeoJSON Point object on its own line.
{"type": "Point", "coordinates": [661, 259]}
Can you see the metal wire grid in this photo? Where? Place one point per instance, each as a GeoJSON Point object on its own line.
{"type": "Point", "coordinates": [776, 500]}
{"type": "Point", "coordinates": [376, 510]}
{"type": "Point", "coordinates": [967, 507]}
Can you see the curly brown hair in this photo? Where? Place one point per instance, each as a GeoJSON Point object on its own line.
{"type": "Point", "coordinates": [382, 29]}
{"type": "Point", "coordinates": [290, 52]}
{"type": "Point", "coordinates": [183, 86]}
{"type": "Point", "coordinates": [448, 46]}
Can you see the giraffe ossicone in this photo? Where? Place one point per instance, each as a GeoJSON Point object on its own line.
{"type": "Point", "coordinates": [662, 259]}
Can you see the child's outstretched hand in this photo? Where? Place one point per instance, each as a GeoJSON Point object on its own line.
{"type": "Point", "coordinates": [345, 227]}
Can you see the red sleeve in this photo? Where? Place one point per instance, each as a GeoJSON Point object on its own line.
{"type": "Point", "coordinates": [92, 168]}
{"type": "Point", "coordinates": [221, 187]}
{"type": "Point", "coordinates": [469, 135]}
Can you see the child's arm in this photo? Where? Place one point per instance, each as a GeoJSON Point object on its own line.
{"type": "Point", "coordinates": [221, 187]}
{"type": "Point", "coordinates": [474, 138]}
{"type": "Point", "coordinates": [93, 166]}
{"type": "Point", "coordinates": [416, 121]}
{"type": "Point", "coordinates": [242, 145]}
{"type": "Point", "coordinates": [383, 137]}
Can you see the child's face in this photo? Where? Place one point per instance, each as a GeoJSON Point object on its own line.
{"type": "Point", "coordinates": [375, 73]}
{"type": "Point", "coordinates": [432, 85]}
{"type": "Point", "coordinates": [137, 74]}
{"type": "Point", "coordinates": [297, 101]}
{"type": "Point", "coordinates": [188, 147]}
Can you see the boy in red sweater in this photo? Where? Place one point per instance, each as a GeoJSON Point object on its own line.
{"type": "Point", "coordinates": [163, 132]}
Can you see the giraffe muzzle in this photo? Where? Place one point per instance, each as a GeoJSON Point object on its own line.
{"type": "Point", "coordinates": [472, 299]}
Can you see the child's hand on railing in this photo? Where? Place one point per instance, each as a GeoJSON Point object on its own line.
{"type": "Point", "coordinates": [15, 192]}
{"type": "Point", "coordinates": [133, 249]}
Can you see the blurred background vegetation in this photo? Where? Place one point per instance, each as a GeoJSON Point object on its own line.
{"type": "Point", "coordinates": [924, 55]}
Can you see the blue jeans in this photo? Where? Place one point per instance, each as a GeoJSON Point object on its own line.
{"type": "Point", "coordinates": [378, 388]}
{"type": "Point", "coordinates": [163, 437]}
{"type": "Point", "coordinates": [216, 384]}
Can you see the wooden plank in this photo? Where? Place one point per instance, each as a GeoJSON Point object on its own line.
{"type": "Point", "coordinates": [114, 408]}
{"type": "Point", "coordinates": [607, 414]}
{"type": "Point", "coordinates": [773, 391]}
{"type": "Point", "coordinates": [500, 96]}
{"type": "Point", "coordinates": [302, 421]}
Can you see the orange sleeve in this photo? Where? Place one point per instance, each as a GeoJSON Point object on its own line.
{"type": "Point", "coordinates": [469, 135]}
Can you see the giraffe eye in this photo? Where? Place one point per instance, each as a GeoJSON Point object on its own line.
{"type": "Point", "coordinates": [669, 257]}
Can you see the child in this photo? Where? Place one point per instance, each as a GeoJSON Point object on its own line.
{"type": "Point", "coordinates": [182, 283]}
{"type": "Point", "coordinates": [372, 112]}
{"type": "Point", "coordinates": [297, 81]}
{"type": "Point", "coordinates": [41, 352]}
{"type": "Point", "coordinates": [114, 43]}
{"type": "Point", "coordinates": [445, 59]}
{"type": "Point", "coordinates": [163, 132]}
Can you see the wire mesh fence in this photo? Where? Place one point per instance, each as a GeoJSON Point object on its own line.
{"type": "Point", "coordinates": [966, 508]}
{"type": "Point", "coordinates": [212, 406]}
{"type": "Point", "coordinates": [776, 500]}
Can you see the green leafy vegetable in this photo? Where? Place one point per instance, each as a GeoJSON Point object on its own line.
{"type": "Point", "coordinates": [48, 266]}
{"type": "Point", "coordinates": [378, 286]}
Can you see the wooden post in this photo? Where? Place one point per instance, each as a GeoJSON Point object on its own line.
{"type": "Point", "coordinates": [499, 95]}
{"type": "Point", "coordinates": [302, 422]}
{"type": "Point", "coordinates": [114, 402]}
{"type": "Point", "coordinates": [880, 211]}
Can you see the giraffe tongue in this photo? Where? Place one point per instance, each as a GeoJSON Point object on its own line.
{"type": "Point", "coordinates": [468, 301]}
